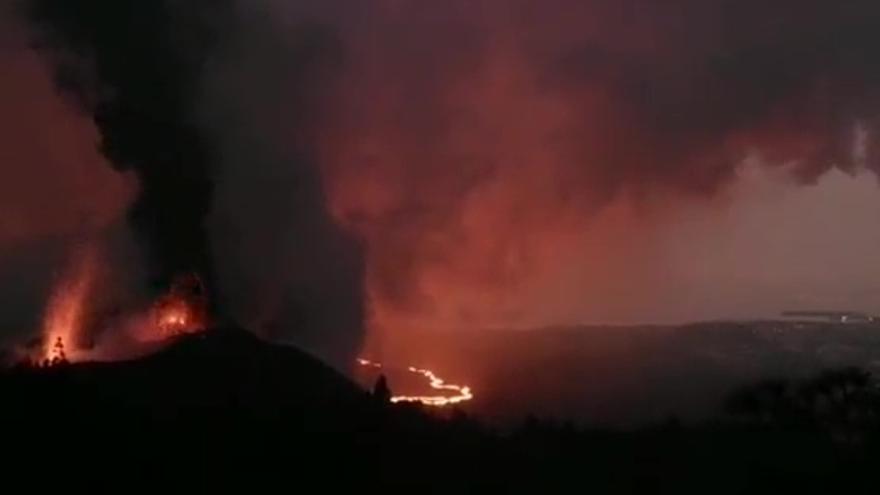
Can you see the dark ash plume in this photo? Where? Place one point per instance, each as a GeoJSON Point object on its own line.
{"type": "Point", "coordinates": [143, 70]}
{"type": "Point", "coordinates": [135, 66]}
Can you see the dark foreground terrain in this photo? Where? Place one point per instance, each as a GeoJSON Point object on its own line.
{"type": "Point", "coordinates": [224, 410]}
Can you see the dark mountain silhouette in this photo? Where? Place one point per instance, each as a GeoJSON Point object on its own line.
{"type": "Point", "coordinates": [226, 411]}
{"type": "Point", "coordinates": [206, 408]}
{"type": "Point", "coordinates": [225, 369]}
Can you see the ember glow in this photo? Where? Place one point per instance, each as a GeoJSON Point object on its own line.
{"type": "Point", "coordinates": [66, 311]}
{"type": "Point", "coordinates": [175, 316]}
{"type": "Point", "coordinates": [74, 331]}
{"type": "Point", "coordinates": [459, 393]}
{"type": "Point", "coordinates": [183, 309]}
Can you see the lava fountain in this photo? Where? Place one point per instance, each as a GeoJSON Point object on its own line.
{"type": "Point", "coordinates": [183, 309]}
{"type": "Point", "coordinates": [65, 313]}
{"type": "Point", "coordinates": [68, 317]}
{"type": "Point", "coordinates": [459, 393]}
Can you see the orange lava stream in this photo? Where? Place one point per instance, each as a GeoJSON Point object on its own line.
{"type": "Point", "coordinates": [461, 393]}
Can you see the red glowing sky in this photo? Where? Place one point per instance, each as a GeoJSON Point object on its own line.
{"type": "Point", "coordinates": [512, 165]}
{"type": "Point", "coordinates": [54, 181]}
{"type": "Point", "coordinates": [524, 164]}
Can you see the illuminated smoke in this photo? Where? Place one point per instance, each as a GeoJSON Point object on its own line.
{"type": "Point", "coordinates": [510, 163]}
{"type": "Point", "coordinates": [496, 162]}
{"type": "Point", "coordinates": [67, 311]}
{"type": "Point", "coordinates": [184, 309]}
{"type": "Point", "coordinates": [220, 192]}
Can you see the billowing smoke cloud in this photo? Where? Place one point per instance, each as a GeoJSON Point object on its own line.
{"type": "Point", "coordinates": [282, 263]}
{"type": "Point", "coordinates": [493, 157]}
{"type": "Point", "coordinates": [135, 67]}
{"type": "Point", "coordinates": [221, 194]}
{"type": "Point", "coordinates": [487, 150]}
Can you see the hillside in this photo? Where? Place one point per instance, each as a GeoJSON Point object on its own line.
{"type": "Point", "coordinates": [226, 411]}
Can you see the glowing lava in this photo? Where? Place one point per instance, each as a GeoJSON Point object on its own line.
{"type": "Point", "coordinates": [173, 317]}
{"type": "Point", "coordinates": [459, 393]}
{"type": "Point", "coordinates": [66, 311]}
{"type": "Point", "coordinates": [183, 309]}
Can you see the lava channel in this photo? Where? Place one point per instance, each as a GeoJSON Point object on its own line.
{"type": "Point", "coordinates": [459, 393]}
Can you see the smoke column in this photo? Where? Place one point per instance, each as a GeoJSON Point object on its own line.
{"type": "Point", "coordinates": [217, 195]}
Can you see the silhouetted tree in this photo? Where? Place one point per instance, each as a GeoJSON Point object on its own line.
{"type": "Point", "coordinates": [841, 401]}
{"type": "Point", "coordinates": [381, 391]}
{"type": "Point", "coordinates": [765, 402]}
{"type": "Point", "coordinates": [59, 356]}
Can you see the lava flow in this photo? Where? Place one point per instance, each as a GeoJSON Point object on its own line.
{"type": "Point", "coordinates": [461, 393]}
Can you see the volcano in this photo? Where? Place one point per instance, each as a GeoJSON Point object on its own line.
{"type": "Point", "coordinates": [226, 368]}
{"type": "Point", "coordinates": [222, 408]}
{"type": "Point", "coordinates": [222, 397]}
